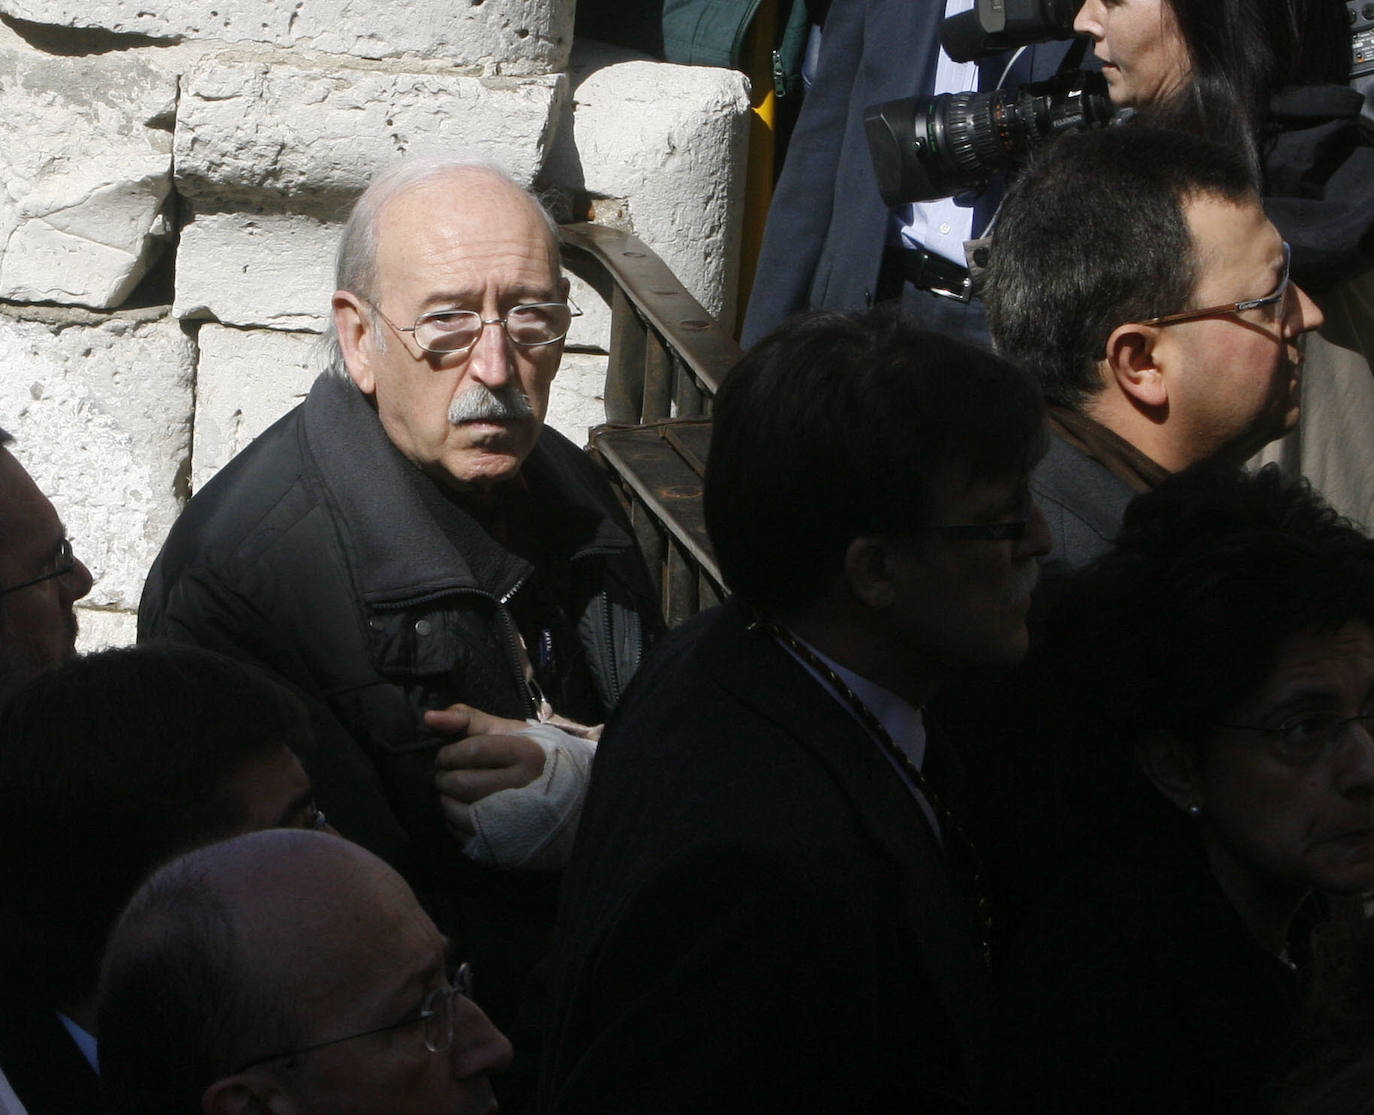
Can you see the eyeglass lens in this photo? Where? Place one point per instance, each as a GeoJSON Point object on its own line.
{"type": "Point", "coordinates": [439, 1006]}
{"type": "Point", "coordinates": [539, 323]}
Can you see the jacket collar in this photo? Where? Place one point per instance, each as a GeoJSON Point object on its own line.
{"type": "Point", "coordinates": [1113, 452]}
{"type": "Point", "coordinates": [399, 552]}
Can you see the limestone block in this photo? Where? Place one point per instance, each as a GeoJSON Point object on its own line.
{"type": "Point", "coordinates": [274, 270]}
{"type": "Point", "coordinates": [98, 629]}
{"type": "Point", "coordinates": [319, 135]}
{"type": "Point", "coordinates": [508, 36]}
{"type": "Point", "coordinates": [277, 270]}
{"type": "Point", "coordinates": [86, 159]}
{"type": "Point", "coordinates": [247, 380]}
{"type": "Point", "coordinates": [575, 402]}
{"type": "Point", "coordinates": [593, 329]}
{"type": "Point", "coordinates": [101, 411]}
{"type": "Point", "coordinates": [671, 141]}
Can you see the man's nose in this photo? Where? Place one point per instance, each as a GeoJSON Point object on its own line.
{"type": "Point", "coordinates": [78, 582]}
{"type": "Point", "coordinates": [1356, 772]}
{"type": "Point", "coordinates": [491, 359]}
{"type": "Point", "coordinates": [1301, 315]}
{"type": "Point", "coordinates": [478, 1046]}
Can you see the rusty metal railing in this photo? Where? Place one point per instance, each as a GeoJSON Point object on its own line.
{"type": "Point", "coordinates": [668, 356]}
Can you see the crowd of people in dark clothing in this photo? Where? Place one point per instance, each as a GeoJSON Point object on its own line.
{"type": "Point", "coordinates": [1028, 765]}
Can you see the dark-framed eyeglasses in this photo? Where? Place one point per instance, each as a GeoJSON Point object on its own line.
{"type": "Point", "coordinates": [1012, 531]}
{"type": "Point", "coordinates": [1305, 739]}
{"type": "Point", "coordinates": [529, 325]}
{"type": "Point", "coordinates": [1275, 302]}
{"type": "Point", "coordinates": [63, 564]}
{"type": "Point", "coordinates": [435, 1016]}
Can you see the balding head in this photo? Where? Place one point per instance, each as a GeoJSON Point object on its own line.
{"type": "Point", "coordinates": [287, 967]}
{"type": "Point", "coordinates": [450, 318]}
{"type": "Point", "coordinates": [355, 264]}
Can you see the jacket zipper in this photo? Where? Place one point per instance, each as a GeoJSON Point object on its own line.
{"type": "Point", "coordinates": [528, 686]}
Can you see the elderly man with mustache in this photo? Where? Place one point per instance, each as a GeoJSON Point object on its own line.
{"type": "Point", "coordinates": [450, 583]}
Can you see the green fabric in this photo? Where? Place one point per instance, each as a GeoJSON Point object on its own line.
{"type": "Point", "coordinates": [712, 32]}
{"type": "Point", "coordinates": [706, 32]}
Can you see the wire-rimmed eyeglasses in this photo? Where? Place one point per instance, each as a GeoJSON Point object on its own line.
{"type": "Point", "coordinates": [435, 1014]}
{"type": "Point", "coordinates": [1304, 739]}
{"type": "Point", "coordinates": [64, 563]}
{"type": "Point", "coordinates": [1277, 301]}
{"type": "Point", "coordinates": [529, 325]}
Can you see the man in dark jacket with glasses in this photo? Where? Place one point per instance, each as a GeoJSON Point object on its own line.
{"type": "Point", "coordinates": [413, 538]}
{"type": "Point", "coordinates": [1134, 272]}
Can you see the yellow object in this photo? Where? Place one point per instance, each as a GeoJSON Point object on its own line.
{"type": "Point", "coordinates": [758, 189]}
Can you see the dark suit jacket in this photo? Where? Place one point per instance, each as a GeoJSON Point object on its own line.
{"type": "Point", "coordinates": [1006, 725]}
{"type": "Point", "coordinates": [1083, 502]}
{"type": "Point", "coordinates": [827, 225]}
{"type": "Point", "coordinates": [43, 1065]}
{"type": "Point", "coordinates": [757, 916]}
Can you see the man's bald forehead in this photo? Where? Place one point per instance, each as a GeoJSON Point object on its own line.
{"type": "Point", "coordinates": [470, 188]}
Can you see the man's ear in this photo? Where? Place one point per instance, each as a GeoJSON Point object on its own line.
{"type": "Point", "coordinates": [247, 1093]}
{"type": "Point", "coordinates": [1172, 766]}
{"type": "Point", "coordinates": [353, 326]}
{"type": "Point", "coordinates": [1132, 363]}
{"type": "Point", "coordinates": [868, 570]}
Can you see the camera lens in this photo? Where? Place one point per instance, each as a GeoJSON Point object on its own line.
{"type": "Point", "coordinates": [956, 142]}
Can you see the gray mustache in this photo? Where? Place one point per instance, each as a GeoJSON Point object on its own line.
{"type": "Point", "coordinates": [479, 402]}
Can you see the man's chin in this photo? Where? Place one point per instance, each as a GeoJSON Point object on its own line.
{"type": "Point", "coordinates": [478, 470]}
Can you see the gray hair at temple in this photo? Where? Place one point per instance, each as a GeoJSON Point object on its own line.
{"type": "Point", "coordinates": [355, 265]}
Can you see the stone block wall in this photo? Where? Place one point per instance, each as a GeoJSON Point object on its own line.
{"type": "Point", "coordinates": [175, 178]}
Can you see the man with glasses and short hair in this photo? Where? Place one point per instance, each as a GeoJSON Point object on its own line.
{"type": "Point", "coordinates": [1135, 273]}
{"type": "Point", "coordinates": [40, 577]}
{"type": "Point", "coordinates": [289, 972]}
{"type": "Point", "coordinates": [773, 904]}
{"type": "Point", "coordinates": [429, 563]}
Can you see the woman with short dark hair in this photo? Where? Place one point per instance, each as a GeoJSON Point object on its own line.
{"type": "Point", "coordinates": [1217, 672]}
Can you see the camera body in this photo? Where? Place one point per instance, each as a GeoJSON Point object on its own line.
{"type": "Point", "coordinates": [1361, 14]}
{"type": "Point", "coordinates": [932, 147]}
{"type": "Point", "coordinates": [993, 26]}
